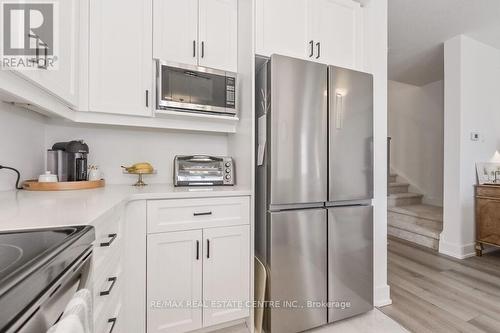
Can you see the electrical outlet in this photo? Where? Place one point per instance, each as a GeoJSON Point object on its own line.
{"type": "Point", "coordinates": [475, 136]}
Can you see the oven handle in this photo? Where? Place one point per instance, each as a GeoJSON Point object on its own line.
{"type": "Point", "coordinates": [202, 158]}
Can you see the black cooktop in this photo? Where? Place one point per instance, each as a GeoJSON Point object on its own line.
{"type": "Point", "coordinates": [31, 260]}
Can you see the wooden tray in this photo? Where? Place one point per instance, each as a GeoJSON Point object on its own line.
{"type": "Point", "coordinates": [34, 185]}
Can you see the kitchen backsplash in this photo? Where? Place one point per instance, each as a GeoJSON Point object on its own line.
{"type": "Point", "coordinates": [111, 147]}
{"type": "Point", "coordinates": [22, 137]}
{"type": "Point", "coordinates": [25, 137]}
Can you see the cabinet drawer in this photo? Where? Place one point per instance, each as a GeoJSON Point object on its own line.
{"type": "Point", "coordinates": [488, 191]}
{"type": "Point", "coordinates": [110, 319]}
{"type": "Point", "coordinates": [187, 214]}
{"type": "Point", "coordinates": [111, 284]}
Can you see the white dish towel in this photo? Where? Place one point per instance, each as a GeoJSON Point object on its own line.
{"type": "Point", "coordinates": [78, 315]}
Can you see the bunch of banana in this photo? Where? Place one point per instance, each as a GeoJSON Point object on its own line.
{"type": "Point", "coordinates": [140, 168]}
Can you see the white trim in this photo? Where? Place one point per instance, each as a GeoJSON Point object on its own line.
{"type": "Point", "coordinates": [457, 250]}
{"type": "Point", "coordinates": [382, 296]}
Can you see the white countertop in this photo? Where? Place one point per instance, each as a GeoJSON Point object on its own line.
{"type": "Point", "coordinates": [27, 210]}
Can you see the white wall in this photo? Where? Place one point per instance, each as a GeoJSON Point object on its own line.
{"type": "Point", "coordinates": [112, 147]}
{"type": "Point", "coordinates": [376, 63]}
{"type": "Point", "coordinates": [417, 130]}
{"type": "Point", "coordinates": [21, 144]}
{"type": "Point", "coordinates": [472, 103]}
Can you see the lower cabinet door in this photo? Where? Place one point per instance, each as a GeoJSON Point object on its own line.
{"type": "Point", "coordinates": [174, 282]}
{"type": "Point", "coordinates": [226, 274]}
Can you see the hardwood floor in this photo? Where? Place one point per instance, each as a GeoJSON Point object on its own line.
{"type": "Point", "coordinates": [436, 293]}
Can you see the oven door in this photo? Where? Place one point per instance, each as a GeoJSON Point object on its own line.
{"type": "Point", "coordinates": [198, 89]}
{"type": "Point", "coordinates": [48, 308]}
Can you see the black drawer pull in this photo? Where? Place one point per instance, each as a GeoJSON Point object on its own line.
{"type": "Point", "coordinates": [112, 320]}
{"type": "Point", "coordinates": [112, 238]}
{"type": "Point", "coordinates": [107, 292]}
{"type": "Point", "coordinates": [202, 214]}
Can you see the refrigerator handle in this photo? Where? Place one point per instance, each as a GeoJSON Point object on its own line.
{"type": "Point", "coordinates": [339, 110]}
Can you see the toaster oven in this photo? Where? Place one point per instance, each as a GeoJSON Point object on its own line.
{"type": "Point", "coordinates": [201, 170]}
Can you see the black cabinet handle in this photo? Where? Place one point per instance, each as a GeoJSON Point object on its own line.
{"type": "Point", "coordinates": [194, 49]}
{"type": "Point", "coordinates": [147, 98]}
{"type": "Point", "coordinates": [113, 321]}
{"type": "Point", "coordinates": [208, 248]}
{"type": "Point", "coordinates": [311, 43]}
{"type": "Point", "coordinates": [197, 250]}
{"type": "Point", "coordinates": [202, 214]}
{"type": "Point", "coordinates": [202, 49]}
{"type": "Point", "coordinates": [107, 292]}
{"type": "Point", "coordinates": [318, 45]}
{"type": "Point", "coordinates": [111, 240]}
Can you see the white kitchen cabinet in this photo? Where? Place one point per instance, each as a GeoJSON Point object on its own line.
{"type": "Point", "coordinates": [174, 273]}
{"type": "Point", "coordinates": [226, 274]}
{"type": "Point", "coordinates": [336, 28]}
{"type": "Point", "coordinates": [197, 32]}
{"type": "Point", "coordinates": [326, 31]}
{"type": "Point", "coordinates": [218, 34]}
{"type": "Point", "coordinates": [176, 31]}
{"type": "Point", "coordinates": [282, 27]}
{"type": "Point", "coordinates": [120, 57]}
{"type": "Point", "coordinates": [196, 213]}
{"type": "Point", "coordinates": [62, 80]}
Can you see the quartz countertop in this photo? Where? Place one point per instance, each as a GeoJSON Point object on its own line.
{"type": "Point", "coordinates": [28, 210]}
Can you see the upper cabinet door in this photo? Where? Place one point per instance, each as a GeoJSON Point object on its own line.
{"type": "Point", "coordinates": [62, 80]}
{"type": "Point", "coordinates": [120, 56]}
{"type": "Point", "coordinates": [336, 26]}
{"type": "Point", "coordinates": [226, 273]}
{"type": "Point", "coordinates": [282, 28]}
{"type": "Point", "coordinates": [175, 31]}
{"type": "Point", "coordinates": [218, 34]}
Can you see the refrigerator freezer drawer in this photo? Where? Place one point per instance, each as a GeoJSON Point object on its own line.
{"type": "Point", "coordinates": [297, 262]}
{"type": "Point", "coordinates": [350, 261]}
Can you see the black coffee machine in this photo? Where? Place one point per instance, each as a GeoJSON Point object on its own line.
{"type": "Point", "coordinates": [68, 160]}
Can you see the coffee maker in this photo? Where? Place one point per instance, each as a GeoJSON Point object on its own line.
{"type": "Point", "coordinates": [68, 160]}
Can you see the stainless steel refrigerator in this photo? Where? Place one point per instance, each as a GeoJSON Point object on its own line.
{"type": "Point", "coordinates": [314, 183]}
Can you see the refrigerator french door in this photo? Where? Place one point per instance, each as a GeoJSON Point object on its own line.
{"type": "Point", "coordinates": [350, 135]}
{"type": "Point", "coordinates": [298, 132]}
{"type": "Point", "coordinates": [350, 261]}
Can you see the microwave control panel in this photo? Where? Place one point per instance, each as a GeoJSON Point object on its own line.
{"type": "Point", "coordinates": [230, 92]}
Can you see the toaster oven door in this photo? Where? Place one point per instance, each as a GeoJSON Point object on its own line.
{"type": "Point", "coordinates": [194, 88]}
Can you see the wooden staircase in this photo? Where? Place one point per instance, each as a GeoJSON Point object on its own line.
{"type": "Point", "coordinates": [409, 218]}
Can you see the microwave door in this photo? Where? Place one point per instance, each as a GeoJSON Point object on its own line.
{"type": "Point", "coordinates": [186, 88]}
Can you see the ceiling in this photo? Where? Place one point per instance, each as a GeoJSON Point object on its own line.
{"type": "Point", "coordinates": [418, 29]}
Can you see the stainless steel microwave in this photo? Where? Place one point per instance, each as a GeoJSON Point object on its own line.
{"type": "Point", "coordinates": [195, 89]}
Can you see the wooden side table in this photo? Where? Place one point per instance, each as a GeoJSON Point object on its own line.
{"type": "Point", "coordinates": [487, 217]}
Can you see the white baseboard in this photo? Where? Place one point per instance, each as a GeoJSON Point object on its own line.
{"type": "Point", "coordinates": [382, 296]}
{"type": "Point", "coordinates": [457, 250]}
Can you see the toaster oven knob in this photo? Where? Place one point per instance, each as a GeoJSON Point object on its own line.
{"type": "Point", "coordinates": [228, 164]}
{"type": "Point", "coordinates": [228, 170]}
{"type": "Point", "coordinates": [228, 177]}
